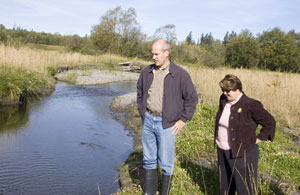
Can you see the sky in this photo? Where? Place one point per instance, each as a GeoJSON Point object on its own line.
{"type": "Point", "coordinates": [69, 17]}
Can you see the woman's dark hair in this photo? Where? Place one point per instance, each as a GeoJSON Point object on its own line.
{"type": "Point", "coordinates": [231, 82]}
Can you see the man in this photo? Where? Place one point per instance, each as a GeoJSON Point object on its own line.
{"type": "Point", "coordinates": [166, 99]}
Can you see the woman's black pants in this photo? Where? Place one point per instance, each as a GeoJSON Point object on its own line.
{"type": "Point", "coordinates": [238, 174]}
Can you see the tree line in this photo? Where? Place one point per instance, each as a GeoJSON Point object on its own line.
{"type": "Point", "coordinates": [119, 32]}
{"type": "Point", "coordinates": [18, 36]}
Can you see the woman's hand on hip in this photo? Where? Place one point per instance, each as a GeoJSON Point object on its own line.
{"type": "Point", "coordinates": [257, 141]}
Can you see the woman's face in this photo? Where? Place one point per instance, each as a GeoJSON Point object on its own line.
{"type": "Point", "coordinates": [232, 95]}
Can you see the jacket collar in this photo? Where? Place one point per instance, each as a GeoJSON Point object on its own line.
{"type": "Point", "coordinates": [172, 68]}
{"type": "Point", "coordinates": [240, 102]}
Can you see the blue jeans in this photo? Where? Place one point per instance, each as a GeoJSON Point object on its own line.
{"type": "Point", "coordinates": [158, 145]}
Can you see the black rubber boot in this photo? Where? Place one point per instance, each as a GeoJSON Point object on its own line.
{"type": "Point", "coordinates": [151, 177]}
{"type": "Point", "coordinates": [166, 184]}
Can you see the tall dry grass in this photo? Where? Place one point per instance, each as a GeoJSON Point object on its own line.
{"type": "Point", "coordinates": [279, 92]}
{"type": "Point", "coordinates": [38, 60]}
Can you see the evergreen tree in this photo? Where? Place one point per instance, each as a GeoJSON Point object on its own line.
{"type": "Point", "coordinates": [189, 39]}
{"type": "Point", "coordinates": [226, 38]}
{"type": "Point", "coordinates": [207, 40]}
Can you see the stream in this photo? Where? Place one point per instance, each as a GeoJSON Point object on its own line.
{"type": "Point", "coordinates": [66, 143]}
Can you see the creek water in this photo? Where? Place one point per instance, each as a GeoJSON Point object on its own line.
{"type": "Point", "coordinates": [66, 143]}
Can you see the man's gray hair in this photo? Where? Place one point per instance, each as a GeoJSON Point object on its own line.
{"type": "Point", "coordinates": [166, 47]}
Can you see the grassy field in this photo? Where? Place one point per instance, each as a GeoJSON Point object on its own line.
{"type": "Point", "coordinates": [38, 60]}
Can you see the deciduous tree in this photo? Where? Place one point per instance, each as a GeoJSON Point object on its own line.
{"type": "Point", "coordinates": [242, 50]}
{"type": "Point", "coordinates": [117, 32]}
{"type": "Point", "coordinates": [167, 33]}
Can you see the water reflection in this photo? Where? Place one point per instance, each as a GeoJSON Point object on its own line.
{"type": "Point", "coordinates": [13, 117]}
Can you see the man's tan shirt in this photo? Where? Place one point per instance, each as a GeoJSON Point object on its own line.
{"type": "Point", "coordinates": [156, 91]}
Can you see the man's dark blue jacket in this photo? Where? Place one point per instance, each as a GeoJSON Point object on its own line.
{"type": "Point", "coordinates": [179, 98]}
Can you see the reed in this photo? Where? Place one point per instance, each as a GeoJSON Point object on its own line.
{"type": "Point", "coordinates": [99, 191]}
{"type": "Point", "coordinates": [38, 60]}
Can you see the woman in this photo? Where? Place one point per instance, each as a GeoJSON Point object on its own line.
{"type": "Point", "coordinates": [235, 135]}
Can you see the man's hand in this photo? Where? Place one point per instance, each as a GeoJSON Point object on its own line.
{"type": "Point", "coordinates": [178, 126]}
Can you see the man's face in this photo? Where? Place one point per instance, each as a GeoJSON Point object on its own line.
{"type": "Point", "coordinates": [159, 56]}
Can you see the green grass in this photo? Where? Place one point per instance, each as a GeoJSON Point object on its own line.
{"type": "Point", "coordinates": [52, 70]}
{"type": "Point", "coordinates": [71, 77]}
{"type": "Point", "coordinates": [283, 156]}
{"type": "Point", "coordinates": [46, 47]}
{"type": "Point", "coordinates": [16, 83]}
{"type": "Point", "coordinates": [196, 139]}
{"type": "Point", "coordinates": [196, 160]}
